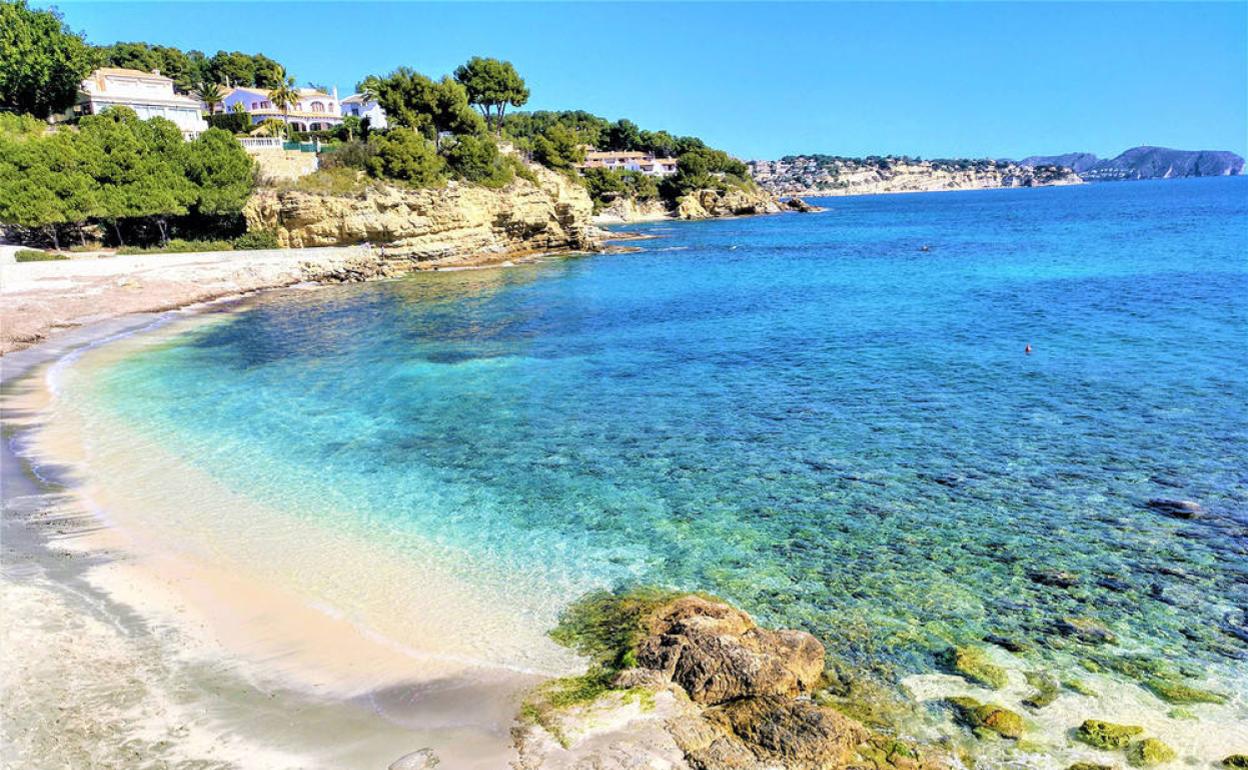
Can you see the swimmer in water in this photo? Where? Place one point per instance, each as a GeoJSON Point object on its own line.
{"type": "Point", "coordinates": [1027, 349]}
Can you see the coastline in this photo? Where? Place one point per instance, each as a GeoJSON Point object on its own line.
{"type": "Point", "coordinates": [73, 563]}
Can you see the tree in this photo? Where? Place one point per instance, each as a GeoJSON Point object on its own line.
{"type": "Point", "coordinates": [285, 96]}
{"type": "Point", "coordinates": [623, 135]}
{"type": "Point", "coordinates": [492, 85]}
{"type": "Point", "coordinates": [558, 148]}
{"type": "Point", "coordinates": [410, 99]}
{"type": "Point", "coordinates": [267, 73]}
{"type": "Point", "coordinates": [221, 171]}
{"type": "Point", "coordinates": [234, 69]}
{"type": "Point", "coordinates": [211, 95]}
{"type": "Point", "coordinates": [42, 63]}
{"type": "Point", "coordinates": [405, 155]}
{"type": "Point", "coordinates": [476, 158]}
{"type": "Point", "coordinates": [369, 88]}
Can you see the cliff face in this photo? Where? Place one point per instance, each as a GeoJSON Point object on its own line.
{"type": "Point", "coordinates": [705, 204]}
{"type": "Point", "coordinates": [1146, 163]}
{"type": "Point", "coordinates": [456, 225]}
{"type": "Point", "coordinates": [823, 175]}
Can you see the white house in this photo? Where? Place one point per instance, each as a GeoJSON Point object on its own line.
{"type": "Point", "coordinates": [357, 106]}
{"type": "Point", "coordinates": [149, 94]}
{"type": "Point", "coordinates": [630, 160]}
{"type": "Point", "coordinates": [315, 110]}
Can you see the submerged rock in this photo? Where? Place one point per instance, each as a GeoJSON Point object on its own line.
{"type": "Point", "coordinates": [1054, 578]}
{"type": "Point", "coordinates": [1149, 752]}
{"type": "Point", "coordinates": [1047, 689]}
{"type": "Point", "coordinates": [1089, 766]}
{"type": "Point", "coordinates": [1007, 643]}
{"type": "Point", "coordinates": [1086, 630]}
{"type": "Point", "coordinates": [1106, 735]}
{"type": "Point", "coordinates": [973, 665]}
{"type": "Point", "coordinates": [987, 717]}
{"type": "Point", "coordinates": [1236, 762]}
{"type": "Point", "coordinates": [1180, 509]}
{"type": "Point", "coordinates": [1179, 693]}
{"type": "Point", "coordinates": [797, 734]}
{"type": "Point", "coordinates": [716, 653]}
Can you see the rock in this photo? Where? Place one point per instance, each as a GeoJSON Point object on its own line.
{"type": "Point", "coordinates": [1089, 766]}
{"type": "Point", "coordinates": [704, 204]}
{"type": "Point", "coordinates": [1180, 509]}
{"type": "Point", "coordinates": [771, 731]}
{"type": "Point", "coordinates": [421, 759]}
{"type": "Point", "coordinates": [1079, 686]}
{"type": "Point", "coordinates": [1055, 578]}
{"type": "Point", "coordinates": [1106, 735]}
{"type": "Point", "coordinates": [799, 205]}
{"type": "Point", "coordinates": [1047, 689]}
{"type": "Point", "coordinates": [1149, 752]}
{"type": "Point", "coordinates": [456, 224]}
{"type": "Point", "coordinates": [1179, 693]}
{"type": "Point", "coordinates": [716, 653]}
{"type": "Point", "coordinates": [973, 665]}
{"type": "Point", "coordinates": [1236, 762]}
{"type": "Point", "coordinates": [1086, 630]}
{"type": "Point", "coordinates": [1007, 643]}
{"type": "Point", "coordinates": [981, 717]}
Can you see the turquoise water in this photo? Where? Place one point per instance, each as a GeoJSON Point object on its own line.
{"type": "Point", "coordinates": [808, 415]}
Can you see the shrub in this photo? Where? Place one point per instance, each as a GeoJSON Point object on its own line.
{"type": "Point", "coordinates": [256, 239]}
{"type": "Point", "coordinates": [178, 246]}
{"type": "Point", "coordinates": [234, 122]}
{"type": "Point", "coordinates": [32, 255]}
{"type": "Point", "coordinates": [354, 155]}
{"type": "Point", "coordinates": [406, 156]}
{"type": "Point", "coordinates": [329, 181]}
{"type": "Point", "coordinates": [477, 159]}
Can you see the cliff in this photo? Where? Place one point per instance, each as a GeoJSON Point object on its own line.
{"type": "Point", "coordinates": [1148, 163]}
{"type": "Point", "coordinates": [706, 204]}
{"type": "Point", "coordinates": [821, 175]}
{"type": "Point", "coordinates": [458, 224]}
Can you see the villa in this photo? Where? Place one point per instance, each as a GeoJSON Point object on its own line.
{"type": "Point", "coordinates": [356, 105]}
{"type": "Point", "coordinates": [149, 94]}
{"type": "Point", "coordinates": [315, 110]}
{"type": "Point", "coordinates": [642, 162]}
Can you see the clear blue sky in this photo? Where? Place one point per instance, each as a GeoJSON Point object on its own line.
{"type": "Point", "coordinates": [764, 80]}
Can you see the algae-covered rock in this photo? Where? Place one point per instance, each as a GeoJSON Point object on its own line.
{"type": "Point", "coordinates": [1149, 752]}
{"type": "Point", "coordinates": [777, 730]}
{"type": "Point", "coordinates": [987, 717]}
{"type": "Point", "coordinates": [1106, 735]}
{"type": "Point", "coordinates": [1046, 692]}
{"type": "Point", "coordinates": [1179, 693]}
{"type": "Point", "coordinates": [1079, 686]}
{"type": "Point", "coordinates": [1236, 762]}
{"type": "Point", "coordinates": [1086, 630]}
{"type": "Point", "coordinates": [1089, 766]}
{"type": "Point", "coordinates": [973, 665]}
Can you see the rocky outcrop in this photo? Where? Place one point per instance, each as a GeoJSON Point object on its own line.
{"type": "Point", "coordinates": [822, 175]}
{"type": "Point", "coordinates": [800, 206]}
{"type": "Point", "coordinates": [724, 694]}
{"type": "Point", "coordinates": [706, 204]}
{"type": "Point", "coordinates": [623, 210]}
{"type": "Point", "coordinates": [457, 224]}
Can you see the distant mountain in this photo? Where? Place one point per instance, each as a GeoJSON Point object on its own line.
{"type": "Point", "coordinates": [1145, 163]}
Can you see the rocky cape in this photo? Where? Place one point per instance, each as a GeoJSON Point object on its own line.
{"type": "Point", "coordinates": [697, 204]}
{"type": "Point", "coordinates": [1145, 163]}
{"type": "Point", "coordinates": [821, 175]}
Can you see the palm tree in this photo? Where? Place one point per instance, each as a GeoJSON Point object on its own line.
{"type": "Point", "coordinates": [284, 97]}
{"type": "Point", "coordinates": [210, 94]}
{"type": "Point", "coordinates": [370, 89]}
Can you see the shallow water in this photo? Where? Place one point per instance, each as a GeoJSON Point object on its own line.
{"type": "Point", "coordinates": [807, 415]}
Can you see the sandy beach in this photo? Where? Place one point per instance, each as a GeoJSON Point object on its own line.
{"type": "Point", "coordinates": [133, 635]}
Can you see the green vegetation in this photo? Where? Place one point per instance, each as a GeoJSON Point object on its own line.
{"type": "Point", "coordinates": [42, 63]}
{"type": "Point", "coordinates": [972, 664]}
{"type": "Point", "coordinates": [1047, 689]}
{"type": "Point", "coordinates": [404, 155]}
{"type": "Point", "coordinates": [31, 255]}
{"type": "Point", "coordinates": [1236, 762]}
{"type": "Point", "coordinates": [1179, 693]}
{"type": "Point", "coordinates": [1149, 752]}
{"type": "Point", "coordinates": [262, 239]}
{"type": "Point", "coordinates": [132, 176]}
{"type": "Point", "coordinates": [606, 185]}
{"type": "Point", "coordinates": [607, 626]}
{"type": "Point", "coordinates": [491, 86]}
{"type": "Point", "coordinates": [189, 69]}
{"type": "Point", "coordinates": [1106, 735]}
{"type": "Point", "coordinates": [984, 718]}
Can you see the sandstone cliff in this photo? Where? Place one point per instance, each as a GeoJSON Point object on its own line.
{"type": "Point", "coordinates": [824, 175]}
{"type": "Point", "coordinates": [705, 204]}
{"type": "Point", "coordinates": [458, 224]}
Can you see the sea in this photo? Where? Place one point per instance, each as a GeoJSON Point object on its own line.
{"type": "Point", "coordinates": [903, 424]}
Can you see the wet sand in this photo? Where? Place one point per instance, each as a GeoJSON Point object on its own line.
{"type": "Point", "coordinates": [127, 643]}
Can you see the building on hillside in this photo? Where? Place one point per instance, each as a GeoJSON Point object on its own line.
{"type": "Point", "coordinates": [149, 94]}
{"type": "Point", "coordinates": [315, 110]}
{"type": "Point", "coordinates": [357, 106]}
{"type": "Point", "coordinates": [630, 160]}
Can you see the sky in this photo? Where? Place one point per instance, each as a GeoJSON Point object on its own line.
{"type": "Point", "coordinates": [763, 80]}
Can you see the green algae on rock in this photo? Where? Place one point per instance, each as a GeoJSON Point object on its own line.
{"type": "Point", "coordinates": [1079, 686]}
{"type": "Point", "coordinates": [1086, 630]}
{"type": "Point", "coordinates": [1089, 766]}
{"type": "Point", "coordinates": [972, 664]}
{"type": "Point", "coordinates": [1047, 689]}
{"type": "Point", "coordinates": [1236, 762]}
{"type": "Point", "coordinates": [1149, 752]}
{"type": "Point", "coordinates": [1106, 735]}
{"type": "Point", "coordinates": [1182, 694]}
{"type": "Point", "coordinates": [984, 718]}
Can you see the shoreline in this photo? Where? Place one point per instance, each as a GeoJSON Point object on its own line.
{"type": "Point", "coordinates": [71, 564]}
